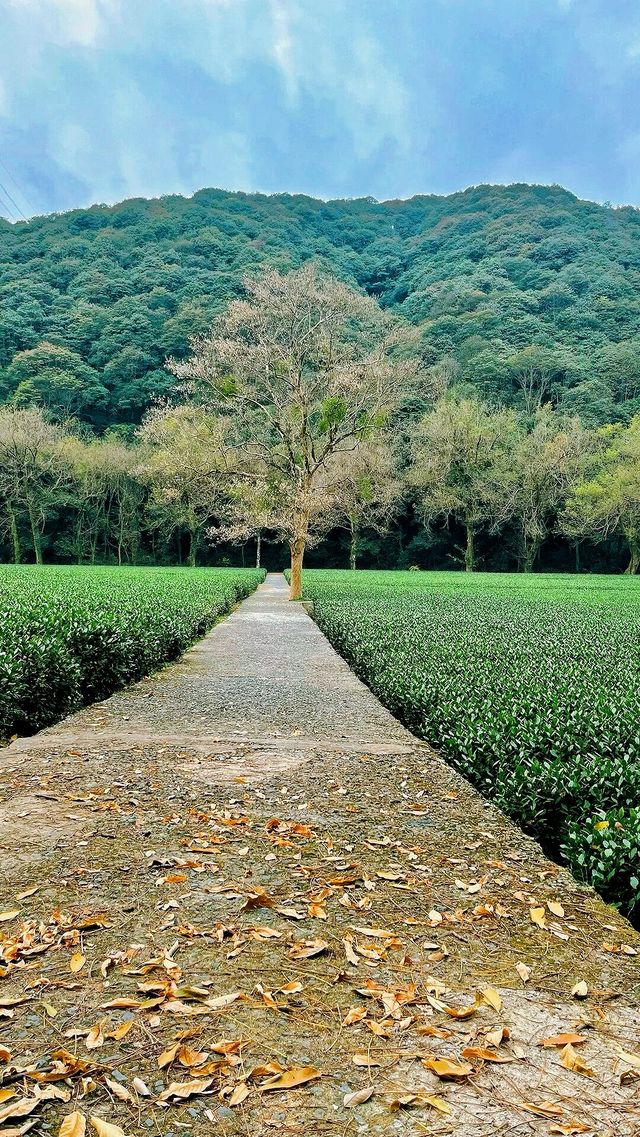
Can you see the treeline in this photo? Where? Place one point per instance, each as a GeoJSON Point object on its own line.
{"type": "Point", "coordinates": [465, 485]}
{"type": "Point", "coordinates": [522, 295]}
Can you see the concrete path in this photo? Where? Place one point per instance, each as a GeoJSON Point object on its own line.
{"type": "Point", "coordinates": [249, 860]}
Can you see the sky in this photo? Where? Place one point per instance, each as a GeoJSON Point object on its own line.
{"type": "Point", "coordinates": [102, 100]}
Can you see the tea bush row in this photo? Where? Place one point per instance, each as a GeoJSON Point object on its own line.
{"type": "Point", "coordinates": [531, 688]}
{"type": "Point", "coordinates": [70, 636]}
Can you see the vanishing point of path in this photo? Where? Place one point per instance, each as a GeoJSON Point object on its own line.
{"type": "Point", "coordinates": [244, 866]}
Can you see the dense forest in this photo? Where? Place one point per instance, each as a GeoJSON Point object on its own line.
{"type": "Point", "coordinates": [523, 297]}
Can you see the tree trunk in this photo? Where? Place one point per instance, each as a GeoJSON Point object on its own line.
{"type": "Point", "coordinates": [469, 552]}
{"type": "Point", "coordinates": [15, 536]}
{"type": "Point", "coordinates": [353, 544]}
{"type": "Point", "coordinates": [578, 566]}
{"type": "Point", "coordinates": [193, 548]}
{"type": "Point", "coordinates": [297, 556]}
{"type": "Point", "coordinates": [634, 549]}
{"type": "Point", "coordinates": [531, 551]}
{"type": "Point", "coordinates": [258, 547]}
{"type": "Point", "coordinates": [35, 531]}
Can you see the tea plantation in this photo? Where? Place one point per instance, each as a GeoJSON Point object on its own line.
{"type": "Point", "coordinates": [70, 636]}
{"type": "Point", "coordinates": [530, 686]}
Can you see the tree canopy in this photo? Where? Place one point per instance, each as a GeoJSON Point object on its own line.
{"type": "Point", "coordinates": [525, 294]}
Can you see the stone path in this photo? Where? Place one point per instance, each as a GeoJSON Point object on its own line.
{"type": "Point", "coordinates": [244, 865]}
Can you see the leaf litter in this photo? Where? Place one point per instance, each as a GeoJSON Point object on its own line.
{"type": "Point", "coordinates": [212, 958]}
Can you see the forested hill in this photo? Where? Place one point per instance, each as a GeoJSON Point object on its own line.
{"type": "Point", "coordinates": [524, 292]}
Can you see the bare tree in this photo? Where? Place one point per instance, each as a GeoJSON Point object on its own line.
{"type": "Point", "coordinates": [307, 368]}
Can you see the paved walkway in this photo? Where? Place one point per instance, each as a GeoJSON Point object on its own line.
{"type": "Point", "coordinates": [250, 861]}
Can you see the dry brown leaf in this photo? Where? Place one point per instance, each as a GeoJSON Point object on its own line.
{"type": "Point", "coordinates": [288, 1079]}
{"type": "Point", "coordinates": [5, 1054]}
{"type": "Point", "coordinates": [537, 917]}
{"type": "Point", "coordinates": [27, 892]}
{"type": "Point", "coordinates": [122, 1030]}
{"type": "Point", "coordinates": [580, 990]}
{"type": "Point", "coordinates": [22, 1107]}
{"type": "Point", "coordinates": [95, 1037]}
{"type": "Point", "coordinates": [628, 1057]}
{"type": "Point", "coordinates": [11, 915]}
{"type": "Point", "coordinates": [106, 1128]}
{"type": "Point", "coordinates": [544, 1109]}
{"type": "Point", "coordinates": [563, 1040]}
{"type": "Point", "coordinates": [462, 1012]}
{"type": "Point", "coordinates": [434, 1031]}
{"type": "Point", "coordinates": [168, 1056]}
{"type": "Point", "coordinates": [555, 907]}
{"type": "Point", "coordinates": [354, 1015]}
{"type": "Point", "coordinates": [188, 1057]}
{"type": "Point", "coordinates": [479, 1053]}
{"type": "Point", "coordinates": [571, 1060]}
{"type": "Point", "coordinates": [77, 962]}
{"type": "Point", "coordinates": [307, 948]}
{"type": "Point", "coordinates": [358, 1097]}
{"type": "Point", "coordinates": [73, 1125]}
{"type": "Point", "coordinates": [492, 998]}
{"type": "Point", "coordinates": [238, 1094]}
{"type": "Point", "coordinates": [571, 1127]}
{"type": "Point", "coordinates": [119, 1091]}
{"type": "Point", "coordinates": [183, 1090]}
{"type": "Point", "coordinates": [524, 971]}
{"type": "Point", "coordinates": [222, 1001]}
{"type": "Point", "coordinates": [363, 1059]}
{"type": "Point", "coordinates": [448, 1067]}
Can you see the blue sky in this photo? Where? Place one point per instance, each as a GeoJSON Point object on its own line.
{"type": "Point", "coordinates": [106, 99]}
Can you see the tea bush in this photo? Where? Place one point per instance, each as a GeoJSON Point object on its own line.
{"type": "Point", "coordinates": [69, 636]}
{"type": "Point", "coordinates": [528, 686]}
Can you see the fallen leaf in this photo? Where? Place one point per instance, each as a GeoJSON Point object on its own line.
{"type": "Point", "coordinates": [168, 1056]}
{"type": "Point", "coordinates": [580, 990]}
{"type": "Point", "coordinates": [555, 907]}
{"type": "Point", "coordinates": [448, 1067]}
{"type": "Point", "coordinates": [11, 915]}
{"type": "Point", "coordinates": [238, 1094]}
{"type": "Point", "coordinates": [354, 1015]}
{"type": "Point", "coordinates": [478, 1053]}
{"type": "Point", "coordinates": [628, 1057]}
{"type": "Point", "coordinates": [5, 1054]}
{"type": "Point", "coordinates": [119, 1091]}
{"type": "Point", "coordinates": [141, 1088]}
{"type": "Point", "coordinates": [563, 1040]}
{"type": "Point", "coordinates": [571, 1127]}
{"type": "Point", "coordinates": [358, 1097]}
{"type": "Point", "coordinates": [571, 1060]}
{"type": "Point", "coordinates": [106, 1128]}
{"type": "Point", "coordinates": [95, 1037]}
{"type": "Point", "coordinates": [492, 998]}
{"type": "Point", "coordinates": [73, 1125]}
{"type": "Point", "coordinates": [544, 1109]}
{"type": "Point", "coordinates": [307, 948]}
{"type": "Point", "coordinates": [537, 917]}
{"type": "Point", "coordinates": [288, 1079]}
{"type": "Point", "coordinates": [367, 1060]}
{"type": "Point", "coordinates": [183, 1090]}
{"type": "Point", "coordinates": [524, 972]}
{"type": "Point", "coordinates": [27, 892]}
{"type": "Point", "coordinates": [77, 962]}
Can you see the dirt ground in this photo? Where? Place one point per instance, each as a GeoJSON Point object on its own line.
{"type": "Point", "coordinates": [239, 893]}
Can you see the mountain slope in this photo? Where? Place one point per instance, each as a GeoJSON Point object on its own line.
{"type": "Point", "coordinates": [522, 292]}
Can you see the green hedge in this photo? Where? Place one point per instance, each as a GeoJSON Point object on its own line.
{"type": "Point", "coordinates": [70, 636]}
{"type": "Point", "coordinates": [531, 688]}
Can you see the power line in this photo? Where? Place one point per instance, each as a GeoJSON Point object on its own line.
{"type": "Point", "coordinates": [5, 205]}
{"type": "Point", "coordinates": [12, 199]}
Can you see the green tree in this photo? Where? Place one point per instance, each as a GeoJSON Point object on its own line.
{"type": "Point", "coordinates": [607, 500]}
{"type": "Point", "coordinates": [458, 453]}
